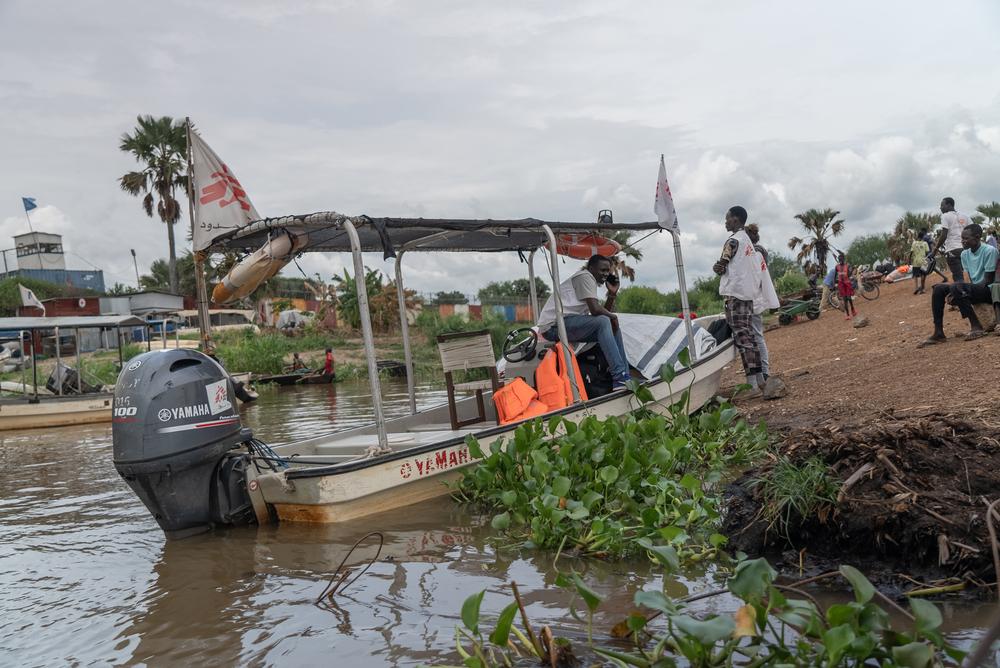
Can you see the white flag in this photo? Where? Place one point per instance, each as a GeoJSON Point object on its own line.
{"type": "Point", "coordinates": [664, 206]}
{"type": "Point", "coordinates": [220, 202]}
{"type": "Point", "coordinates": [28, 298]}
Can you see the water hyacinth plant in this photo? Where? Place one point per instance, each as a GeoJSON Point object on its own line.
{"type": "Point", "coordinates": [612, 487]}
{"type": "Point", "coordinates": [773, 625]}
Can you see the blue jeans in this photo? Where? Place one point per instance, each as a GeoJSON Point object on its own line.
{"type": "Point", "coordinates": [596, 328]}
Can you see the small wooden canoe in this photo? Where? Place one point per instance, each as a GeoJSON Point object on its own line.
{"type": "Point", "coordinates": [317, 378]}
{"type": "Point", "coordinates": [280, 379]}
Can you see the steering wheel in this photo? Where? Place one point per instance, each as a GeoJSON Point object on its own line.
{"type": "Point", "coordinates": [519, 346]}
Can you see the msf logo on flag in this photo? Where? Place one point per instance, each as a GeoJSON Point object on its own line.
{"type": "Point", "coordinates": [663, 206]}
{"type": "Point", "coordinates": [225, 184]}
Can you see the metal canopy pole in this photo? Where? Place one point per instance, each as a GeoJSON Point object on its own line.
{"type": "Point", "coordinates": [686, 312]}
{"type": "Point", "coordinates": [59, 377]}
{"type": "Point", "coordinates": [34, 366]}
{"type": "Point", "coordinates": [404, 325]}
{"type": "Point", "coordinates": [79, 361]}
{"type": "Point", "coordinates": [201, 285]}
{"type": "Point", "coordinates": [366, 332]}
{"type": "Point", "coordinates": [560, 325]}
{"type": "Point", "coordinates": [24, 369]}
{"type": "Point", "coordinates": [531, 285]}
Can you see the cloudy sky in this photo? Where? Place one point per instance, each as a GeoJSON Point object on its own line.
{"type": "Point", "coordinates": [506, 110]}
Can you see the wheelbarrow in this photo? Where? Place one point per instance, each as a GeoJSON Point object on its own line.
{"type": "Point", "coordinates": [792, 308]}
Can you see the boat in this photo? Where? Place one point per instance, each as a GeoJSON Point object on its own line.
{"type": "Point", "coordinates": [392, 368]}
{"type": "Point", "coordinates": [317, 378]}
{"type": "Point", "coordinates": [220, 475]}
{"type": "Point", "coordinates": [69, 400]}
{"type": "Point", "coordinates": [279, 379]}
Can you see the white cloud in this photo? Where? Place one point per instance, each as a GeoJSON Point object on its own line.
{"type": "Point", "coordinates": [504, 110]}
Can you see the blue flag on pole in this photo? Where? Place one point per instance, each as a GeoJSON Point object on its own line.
{"type": "Point", "coordinates": [29, 203]}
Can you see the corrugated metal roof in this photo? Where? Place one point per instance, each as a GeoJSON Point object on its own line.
{"type": "Point", "coordinates": [71, 322]}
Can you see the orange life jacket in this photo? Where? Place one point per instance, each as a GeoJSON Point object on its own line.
{"type": "Point", "coordinates": [517, 401]}
{"type": "Point", "coordinates": [552, 380]}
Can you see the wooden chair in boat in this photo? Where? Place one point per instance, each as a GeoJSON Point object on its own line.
{"type": "Point", "coordinates": [463, 351]}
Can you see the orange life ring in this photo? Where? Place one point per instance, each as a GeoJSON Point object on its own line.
{"type": "Point", "coordinates": [582, 246]}
{"type": "Point", "coordinates": [257, 267]}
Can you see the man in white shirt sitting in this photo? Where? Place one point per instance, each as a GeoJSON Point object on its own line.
{"type": "Point", "coordinates": [586, 319]}
{"type": "Point", "coordinates": [949, 238]}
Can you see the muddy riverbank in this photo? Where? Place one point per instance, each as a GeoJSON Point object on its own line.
{"type": "Point", "coordinates": [908, 438]}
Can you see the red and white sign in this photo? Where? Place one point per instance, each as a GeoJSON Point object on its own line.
{"type": "Point", "coordinates": [220, 202]}
{"type": "Point", "coordinates": [218, 396]}
{"type": "Point", "coordinates": [663, 207]}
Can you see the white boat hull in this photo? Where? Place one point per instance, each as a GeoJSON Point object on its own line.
{"type": "Point", "coordinates": [55, 412]}
{"type": "Point", "coordinates": [422, 459]}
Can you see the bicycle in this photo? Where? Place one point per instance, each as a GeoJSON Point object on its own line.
{"type": "Point", "coordinates": [869, 290]}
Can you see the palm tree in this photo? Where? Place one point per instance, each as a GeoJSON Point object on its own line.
{"type": "Point", "coordinates": [618, 262]}
{"type": "Point", "coordinates": [992, 213]}
{"type": "Point", "coordinates": [822, 227]}
{"type": "Point", "coordinates": [906, 231]}
{"type": "Point", "coordinates": [158, 144]}
{"type": "Point", "coordinates": [158, 277]}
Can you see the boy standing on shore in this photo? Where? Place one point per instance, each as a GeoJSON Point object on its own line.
{"type": "Point", "coordinates": [740, 269]}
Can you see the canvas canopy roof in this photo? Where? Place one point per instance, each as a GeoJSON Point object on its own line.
{"type": "Point", "coordinates": [70, 322]}
{"type": "Point", "coordinates": [388, 235]}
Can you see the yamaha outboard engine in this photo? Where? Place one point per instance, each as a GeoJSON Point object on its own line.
{"type": "Point", "coordinates": [175, 426]}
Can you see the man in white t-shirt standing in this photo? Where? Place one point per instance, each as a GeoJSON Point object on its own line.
{"type": "Point", "coordinates": [740, 268]}
{"type": "Point", "coordinates": [586, 319]}
{"type": "Point", "coordinates": [949, 238]}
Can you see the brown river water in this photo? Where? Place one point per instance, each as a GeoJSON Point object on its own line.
{"type": "Point", "coordinates": [87, 578]}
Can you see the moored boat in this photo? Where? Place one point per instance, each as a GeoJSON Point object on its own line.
{"type": "Point", "coordinates": [221, 475]}
{"type": "Point", "coordinates": [71, 401]}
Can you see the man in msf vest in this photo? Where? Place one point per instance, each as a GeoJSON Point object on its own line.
{"type": "Point", "coordinates": [740, 269]}
{"type": "Point", "coordinates": [586, 318]}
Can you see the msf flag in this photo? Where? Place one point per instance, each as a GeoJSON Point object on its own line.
{"type": "Point", "coordinates": [28, 298]}
{"type": "Point", "coordinates": [664, 205]}
{"type": "Point", "coordinates": [29, 203]}
{"type": "Point", "coordinates": [221, 204]}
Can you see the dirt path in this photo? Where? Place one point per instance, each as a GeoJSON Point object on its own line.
{"type": "Point", "coordinates": [838, 373]}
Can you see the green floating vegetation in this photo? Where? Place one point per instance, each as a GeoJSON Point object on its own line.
{"type": "Point", "coordinates": [774, 625]}
{"type": "Point", "coordinates": [613, 487]}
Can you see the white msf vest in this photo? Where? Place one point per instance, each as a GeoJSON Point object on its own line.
{"type": "Point", "coordinates": [743, 274]}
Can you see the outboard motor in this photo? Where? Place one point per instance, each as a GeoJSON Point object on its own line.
{"type": "Point", "coordinates": [175, 426]}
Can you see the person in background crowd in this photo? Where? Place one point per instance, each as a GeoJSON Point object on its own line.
{"type": "Point", "coordinates": [949, 237]}
{"type": "Point", "coordinates": [845, 288]}
{"type": "Point", "coordinates": [918, 256]}
{"type": "Point", "coordinates": [828, 286]}
{"type": "Point", "coordinates": [980, 261]}
{"type": "Point", "coordinates": [297, 363]}
{"type": "Point", "coordinates": [739, 267]}
{"type": "Point", "coordinates": [991, 239]}
{"type": "Point", "coordinates": [766, 300]}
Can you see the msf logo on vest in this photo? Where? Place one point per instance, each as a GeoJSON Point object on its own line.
{"type": "Point", "coordinates": [183, 413]}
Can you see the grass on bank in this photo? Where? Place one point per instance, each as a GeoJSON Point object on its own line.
{"type": "Point", "coordinates": [793, 491]}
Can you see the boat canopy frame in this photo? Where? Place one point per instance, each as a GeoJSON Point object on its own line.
{"type": "Point", "coordinates": [76, 323]}
{"type": "Point", "coordinates": [334, 232]}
